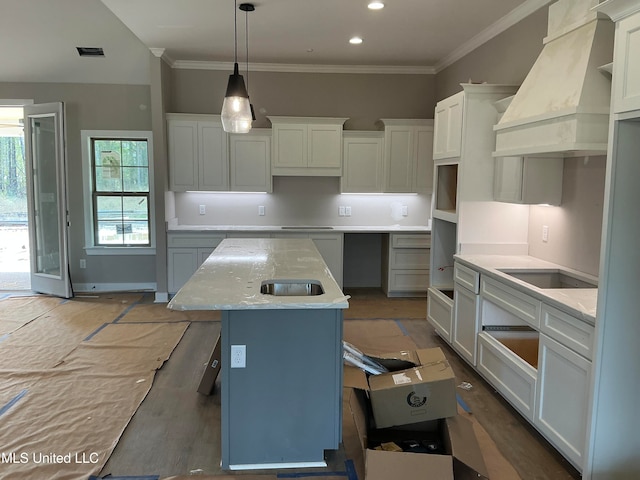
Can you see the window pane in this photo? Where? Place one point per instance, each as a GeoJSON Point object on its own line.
{"type": "Point", "coordinates": [123, 220]}
{"type": "Point", "coordinates": [136, 179]}
{"type": "Point", "coordinates": [102, 147]}
{"type": "Point", "coordinates": [135, 208]}
{"type": "Point", "coordinates": [109, 208]}
{"type": "Point", "coordinates": [108, 179]}
{"type": "Point", "coordinates": [134, 153]}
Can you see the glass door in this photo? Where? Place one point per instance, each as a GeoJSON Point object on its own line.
{"type": "Point", "coordinates": [47, 198]}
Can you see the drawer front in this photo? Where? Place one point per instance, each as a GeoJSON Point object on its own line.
{"type": "Point", "coordinates": [569, 331]}
{"type": "Point", "coordinates": [440, 312]}
{"type": "Point", "coordinates": [410, 240]}
{"type": "Point", "coordinates": [409, 280]}
{"type": "Point", "coordinates": [517, 303]}
{"type": "Point", "coordinates": [468, 278]}
{"type": "Point", "coordinates": [194, 240]}
{"type": "Point", "coordinates": [514, 378]}
{"type": "Point", "coordinates": [410, 258]}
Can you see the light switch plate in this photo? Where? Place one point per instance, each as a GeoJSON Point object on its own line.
{"type": "Point", "coordinates": [261, 210]}
{"type": "Point", "coordinates": [202, 209]}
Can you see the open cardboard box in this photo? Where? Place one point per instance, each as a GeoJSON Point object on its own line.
{"type": "Point", "coordinates": [411, 395]}
{"type": "Point", "coordinates": [460, 457]}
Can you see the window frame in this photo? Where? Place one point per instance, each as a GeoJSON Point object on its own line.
{"type": "Point", "coordinates": [91, 246]}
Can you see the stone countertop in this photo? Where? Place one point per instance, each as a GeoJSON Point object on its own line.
{"type": "Point", "coordinates": [578, 302]}
{"type": "Point", "coordinates": [231, 277]}
{"type": "Point", "coordinates": [300, 228]}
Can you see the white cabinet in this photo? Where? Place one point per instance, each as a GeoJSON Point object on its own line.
{"type": "Point", "coordinates": [626, 68]}
{"type": "Point", "coordinates": [198, 153]}
{"type": "Point", "coordinates": [440, 311]}
{"type": "Point", "coordinates": [406, 264]}
{"type": "Point", "coordinates": [363, 170]}
{"type": "Point", "coordinates": [528, 180]}
{"type": "Point", "coordinates": [310, 146]}
{"type": "Point", "coordinates": [466, 313]}
{"type": "Point", "coordinates": [448, 127]}
{"type": "Point", "coordinates": [408, 155]}
{"type": "Point", "coordinates": [185, 253]}
{"type": "Point", "coordinates": [250, 161]}
{"type": "Point", "coordinates": [562, 398]}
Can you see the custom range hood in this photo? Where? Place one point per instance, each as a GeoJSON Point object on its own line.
{"type": "Point", "coordinates": [562, 107]}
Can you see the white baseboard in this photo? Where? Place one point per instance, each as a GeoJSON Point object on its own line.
{"type": "Point", "coordinates": [113, 287]}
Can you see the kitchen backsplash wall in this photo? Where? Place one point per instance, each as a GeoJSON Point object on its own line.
{"type": "Point", "coordinates": [575, 226]}
{"type": "Point", "coordinates": [304, 201]}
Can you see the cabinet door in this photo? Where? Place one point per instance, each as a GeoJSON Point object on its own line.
{"type": "Point", "coordinates": [250, 163]}
{"type": "Point", "coordinates": [423, 178]}
{"type": "Point", "coordinates": [183, 155]}
{"type": "Point", "coordinates": [626, 75]}
{"type": "Point", "coordinates": [182, 264]}
{"type": "Point", "coordinates": [466, 323]}
{"type": "Point", "coordinates": [363, 165]}
{"type": "Point", "coordinates": [324, 146]}
{"type": "Point", "coordinates": [289, 145]}
{"type": "Point", "coordinates": [563, 398]}
{"type": "Point", "coordinates": [448, 127]}
{"type": "Point", "coordinates": [330, 247]}
{"type": "Point", "coordinates": [213, 157]}
{"type": "Point", "coordinates": [399, 159]}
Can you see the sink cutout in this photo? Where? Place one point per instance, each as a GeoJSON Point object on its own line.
{"type": "Point", "coordinates": [291, 288]}
{"type": "Point", "coordinates": [549, 278]}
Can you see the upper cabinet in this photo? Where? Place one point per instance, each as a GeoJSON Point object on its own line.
{"type": "Point", "coordinates": [309, 146]}
{"type": "Point", "coordinates": [408, 155]}
{"type": "Point", "coordinates": [198, 153]}
{"type": "Point", "coordinates": [363, 170]}
{"type": "Point", "coordinates": [448, 127]}
{"type": "Point", "coordinates": [626, 69]}
{"type": "Point", "coordinates": [203, 157]}
{"type": "Point", "coordinates": [528, 180]}
{"type": "Point", "coordinates": [250, 161]}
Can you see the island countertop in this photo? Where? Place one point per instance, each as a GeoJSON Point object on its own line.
{"type": "Point", "coordinates": [231, 277]}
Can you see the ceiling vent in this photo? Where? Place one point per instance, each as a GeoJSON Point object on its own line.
{"type": "Point", "coordinates": [90, 51]}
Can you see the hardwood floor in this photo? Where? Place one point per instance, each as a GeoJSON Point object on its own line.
{"type": "Point", "coordinates": [176, 431]}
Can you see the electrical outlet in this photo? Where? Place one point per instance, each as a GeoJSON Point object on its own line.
{"type": "Point", "coordinates": [347, 211]}
{"type": "Point", "coordinates": [202, 209]}
{"type": "Point", "coordinates": [341, 211]}
{"type": "Point", "coordinates": [238, 356]}
{"type": "Point", "coordinates": [545, 233]}
{"type": "Point", "coordinates": [261, 210]}
{"type": "Point", "coordinates": [405, 210]}
{"type": "Point", "coordinates": [83, 263]}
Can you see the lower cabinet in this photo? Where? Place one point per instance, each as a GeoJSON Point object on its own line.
{"type": "Point", "coordinates": [466, 323]}
{"type": "Point", "coordinates": [185, 253]}
{"type": "Point", "coordinates": [440, 311]}
{"type": "Point", "coordinates": [562, 398]}
{"type": "Point", "coordinates": [405, 264]}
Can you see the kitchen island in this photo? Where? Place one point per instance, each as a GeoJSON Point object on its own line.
{"type": "Point", "coordinates": [281, 384]}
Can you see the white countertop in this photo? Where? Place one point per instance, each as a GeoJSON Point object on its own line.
{"type": "Point", "coordinates": [231, 277]}
{"type": "Point", "coordinates": [299, 228]}
{"type": "Point", "coordinates": [578, 302]}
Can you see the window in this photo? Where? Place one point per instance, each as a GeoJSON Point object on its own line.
{"type": "Point", "coordinates": [118, 191]}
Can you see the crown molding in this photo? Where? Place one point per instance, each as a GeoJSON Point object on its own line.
{"type": "Point", "coordinates": [307, 68]}
{"type": "Point", "coordinates": [516, 15]}
{"type": "Point", "coordinates": [162, 54]}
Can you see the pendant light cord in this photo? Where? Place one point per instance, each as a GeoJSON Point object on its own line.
{"type": "Point", "coordinates": [235, 30]}
{"type": "Point", "coordinates": [246, 31]}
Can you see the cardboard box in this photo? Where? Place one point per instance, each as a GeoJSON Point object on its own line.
{"type": "Point", "coordinates": [211, 370]}
{"type": "Point", "coordinates": [424, 392]}
{"type": "Point", "coordinates": [459, 458]}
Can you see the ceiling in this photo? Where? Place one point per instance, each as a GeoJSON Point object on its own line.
{"type": "Point", "coordinates": [39, 37]}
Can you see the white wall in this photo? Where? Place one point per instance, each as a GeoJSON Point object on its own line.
{"type": "Point", "coordinates": [295, 201]}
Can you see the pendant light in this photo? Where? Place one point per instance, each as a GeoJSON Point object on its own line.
{"type": "Point", "coordinates": [236, 110]}
{"type": "Point", "coordinates": [246, 8]}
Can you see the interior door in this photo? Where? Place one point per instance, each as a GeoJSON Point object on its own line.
{"type": "Point", "coordinates": [47, 198]}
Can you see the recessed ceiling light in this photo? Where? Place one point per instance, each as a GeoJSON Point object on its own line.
{"type": "Point", "coordinates": [375, 5]}
{"type": "Point", "coordinates": [355, 40]}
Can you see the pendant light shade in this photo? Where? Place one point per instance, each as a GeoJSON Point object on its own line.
{"type": "Point", "coordinates": [236, 111]}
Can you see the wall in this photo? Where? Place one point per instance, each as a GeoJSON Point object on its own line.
{"type": "Point", "coordinates": [575, 226]}
{"type": "Point", "coordinates": [506, 58]}
{"type": "Point", "coordinates": [93, 107]}
{"type": "Point", "coordinates": [301, 201]}
{"type": "Point", "coordinates": [364, 98]}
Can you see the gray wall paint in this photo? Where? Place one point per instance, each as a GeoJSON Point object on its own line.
{"type": "Point", "coordinates": [93, 107]}
{"type": "Point", "coordinates": [507, 58]}
{"type": "Point", "coordinates": [364, 99]}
